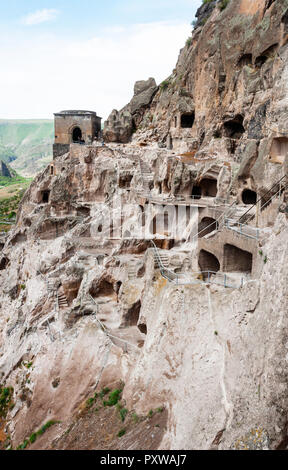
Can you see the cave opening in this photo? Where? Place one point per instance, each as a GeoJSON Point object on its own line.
{"type": "Point", "coordinates": [245, 59]}
{"type": "Point", "coordinates": [196, 192]}
{"type": "Point", "coordinates": [3, 263]}
{"type": "Point", "coordinates": [208, 187]}
{"type": "Point", "coordinates": [234, 127]}
{"type": "Point", "coordinates": [104, 288]}
{"type": "Point", "coordinates": [279, 147]}
{"type": "Point", "coordinates": [237, 260]}
{"type": "Point", "coordinates": [132, 316]}
{"type": "Point", "coordinates": [265, 55]}
{"type": "Point", "coordinates": [187, 120]}
{"type": "Point", "coordinates": [284, 20]}
{"type": "Point", "coordinates": [207, 225]}
{"type": "Point", "coordinates": [249, 196]}
{"type": "Point", "coordinates": [45, 196]}
{"type": "Point", "coordinates": [208, 262]}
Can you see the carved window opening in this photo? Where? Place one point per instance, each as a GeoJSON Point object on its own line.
{"type": "Point", "coordinates": [187, 120]}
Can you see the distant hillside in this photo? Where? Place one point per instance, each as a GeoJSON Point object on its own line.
{"type": "Point", "coordinates": [26, 144]}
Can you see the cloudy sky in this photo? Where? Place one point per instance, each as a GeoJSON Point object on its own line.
{"type": "Point", "coordinates": [85, 54]}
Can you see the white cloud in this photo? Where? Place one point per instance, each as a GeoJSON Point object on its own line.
{"type": "Point", "coordinates": [40, 16]}
{"type": "Point", "coordinates": [44, 76]}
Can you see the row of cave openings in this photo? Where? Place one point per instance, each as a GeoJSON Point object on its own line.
{"type": "Point", "coordinates": [235, 260]}
{"type": "Point", "coordinates": [247, 59]}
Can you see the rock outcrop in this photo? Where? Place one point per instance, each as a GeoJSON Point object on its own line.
{"type": "Point", "coordinates": [120, 125]}
{"type": "Point", "coordinates": [4, 170]}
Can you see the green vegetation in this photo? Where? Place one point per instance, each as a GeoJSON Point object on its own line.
{"type": "Point", "coordinates": [114, 397]}
{"type": "Point", "coordinates": [9, 205]}
{"type": "Point", "coordinates": [33, 437]}
{"type": "Point", "coordinates": [265, 259]}
{"type": "Point", "coordinates": [28, 141]}
{"type": "Point", "coordinates": [122, 411]}
{"type": "Point", "coordinates": [16, 179]}
{"type": "Point", "coordinates": [135, 418]}
{"type": "Point", "coordinates": [6, 403]}
{"type": "Point", "coordinates": [121, 432]}
{"type": "Point", "coordinates": [223, 4]}
{"type": "Point", "coordinates": [189, 42]}
{"type": "Point", "coordinates": [104, 392]}
{"type": "Point", "coordinates": [207, 1]}
{"type": "Point", "coordinates": [150, 414]}
{"type": "Point", "coordinates": [90, 402]}
{"type": "Point", "coordinates": [164, 85]}
{"type": "Point", "coordinates": [28, 365]}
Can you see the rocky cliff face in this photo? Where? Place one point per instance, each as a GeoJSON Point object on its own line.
{"type": "Point", "coordinates": [4, 170]}
{"type": "Point", "coordinates": [190, 337]}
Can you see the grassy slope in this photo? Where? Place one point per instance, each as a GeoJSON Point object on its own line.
{"type": "Point", "coordinates": [11, 193]}
{"type": "Point", "coordinates": [28, 140]}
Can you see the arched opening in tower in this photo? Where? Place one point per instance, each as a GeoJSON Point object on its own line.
{"type": "Point", "coordinates": [187, 120]}
{"type": "Point", "coordinates": [77, 135]}
{"type": "Point", "coordinates": [208, 187]}
{"type": "Point", "coordinates": [237, 260]}
{"type": "Point", "coordinates": [208, 262]}
{"type": "Point", "coordinates": [234, 127]}
{"type": "Point", "coordinates": [249, 196]}
{"type": "Point", "coordinates": [207, 225]}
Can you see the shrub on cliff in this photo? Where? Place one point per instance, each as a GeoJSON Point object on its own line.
{"type": "Point", "coordinates": [223, 4]}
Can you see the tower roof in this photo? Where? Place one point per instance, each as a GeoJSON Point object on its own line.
{"type": "Point", "coordinates": [76, 113]}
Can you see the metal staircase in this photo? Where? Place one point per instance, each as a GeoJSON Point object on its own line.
{"type": "Point", "coordinates": [240, 225]}
{"type": "Point", "coordinates": [62, 301]}
{"type": "Point", "coordinates": [199, 277]}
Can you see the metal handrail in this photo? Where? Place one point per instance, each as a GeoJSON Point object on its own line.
{"type": "Point", "coordinates": [261, 197]}
{"type": "Point", "coordinates": [178, 279]}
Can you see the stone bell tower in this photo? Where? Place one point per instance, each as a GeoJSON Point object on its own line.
{"type": "Point", "coordinates": [78, 127]}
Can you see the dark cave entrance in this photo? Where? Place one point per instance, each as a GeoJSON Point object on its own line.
{"type": "Point", "coordinates": [249, 196]}
{"type": "Point", "coordinates": [196, 192]}
{"type": "Point", "coordinates": [245, 59]}
{"type": "Point", "coordinates": [187, 120]}
{"type": "Point", "coordinates": [208, 187]}
{"type": "Point", "coordinates": [208, 262]}
{"type": "Point", "coordinates": [45, 196]}
{"type": "Point", "coordinates": [268, 53]}
{"type": "Point", "coordinates": [234, 127]}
